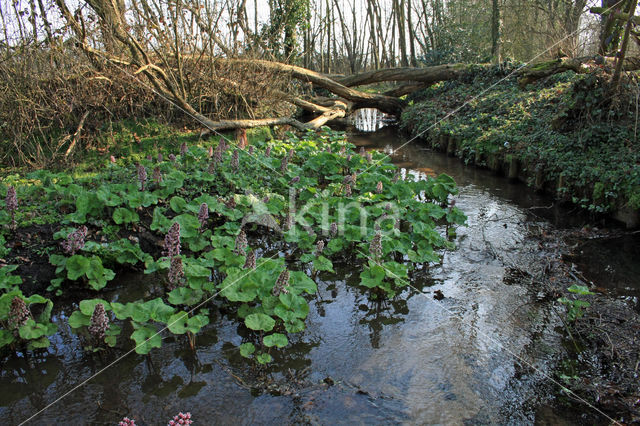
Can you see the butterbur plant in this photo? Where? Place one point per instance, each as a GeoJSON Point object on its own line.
{"type": "Point", "coordinates": [160, 157]}
{"type": "Point", "coordinates": [142, 176]}
{"type": "Point", "coordinates": [250, 263]}
{"type": "Point", "coordinates": [172, 241]}
{"type": "Point", "coordinates": [281, 284]}
{"type": "Point", "coordinates": [19, 314]}
{"type": "Point", "coordinates": [99, 322]}
{"type": "Point", "coordinates": [379, 188]}
{"type": "Point", "coordinates": [157, 175]}
{"type": "Point", "coordinates": [210, 151]}
{"type": "Point", "coordinates": [347, 191]}
{"type": "Point", "coordinates": [284, 164]}
{"type": "Point", "coordinates": [375, 248]}
{"type": "Point", "coordinates": [12, 204]}
{"type": "Point", "coordinates": [333, 229]}
{"type": "Point", "coordinates": [183, 148]}
{"type": "Point", "coordinates": [18, 325]}
{"type": "Point", "coordinates": [172, 158]}
{"type": "Point", "coordinates": [235, 161]}
{"type": "Point", "coordinates": [75, 240]}
{"type": "Point", "coordinates": [241, 243]}
{"type": "Point", "coordinates": [294, 180]}
{"type": "Point", "coordinates": [203, 215]}
{"type": "Point", "coordinates": [251, 149]}
{"type": "Point", "coordinates": [217, 155]}
{"type": "Point", "coordinates": [230, 203]}
{"type": "Point", "coordinates": [176, 272]}
{"type": "Point", "coordinates": [319, 247]}
{"type": "Point", "coordinates": [181, 419]}
{"type": "Point", "coordinates": [267, 152]}
{"type": "Point", "coordinates": [127, 422]}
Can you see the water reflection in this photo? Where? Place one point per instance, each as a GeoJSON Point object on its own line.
{"type": "Point", "coordinates": [370, 120]}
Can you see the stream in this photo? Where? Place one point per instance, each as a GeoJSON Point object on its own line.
{"type": "Point", "coordinates": [482, 354]}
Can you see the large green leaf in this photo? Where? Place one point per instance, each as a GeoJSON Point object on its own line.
{"type": "Point", "coordinates": [32, 330]}
{"type": "Point", "coordinates": [246, 349]}
{"type": "Point", "coordinates": [178, 204]}
{"type": "Point", "coordinates": [185, 296]}
{"type": "Point", "coordinates": [296, 304]}
{"type": "Point", "coordinates": [259, 322]}
{"type": "Point", "coordinates": [158, 310]}
{"type": "Point", "coordinates": [6, 337]}
{"type": "Point", "coordinates": [146, 338]}
{"type": "Point", "coordinates": [189, 225]}
{"type": "Point", "coordinates": [134, 310]}
{"type": "Point", "coordinates": [87, 306]}
{"type": "Point", "coordinates": [275, 339]}
{"type": "Point", "coordinates": [77, 266]}
{"type": "Point", "coordinates": [78, 320]}
{"type": "Point", "coordinates": [372, 276]}
{"type": "Point", "coordinates": [300, 282]}
{"type": "Point", "coordinates": [321, 263]}
{"type": "Point", "coordinates": [122, 215]}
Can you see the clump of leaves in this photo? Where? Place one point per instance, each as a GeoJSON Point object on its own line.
{"type": "Point", "coordinates": [20, 326]}
{"type": "Point", "coordinates": [576, 306]}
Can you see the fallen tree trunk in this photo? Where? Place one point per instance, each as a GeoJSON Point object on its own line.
{"type": "Point", "coordinates": [359, 99]}
{"type": "Point", "coordinates": [248, 124]}
{"type": "Point", "coordinates": [427, 75]}
{"type": "Point", "coordinates": [585, 64]}
{"type": "Point", "coordinates": [541, 70]}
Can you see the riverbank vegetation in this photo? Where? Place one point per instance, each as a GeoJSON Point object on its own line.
{"type": "Point", "coordinates": [110, 114]}
{"type": "Point", "coordinates": [568, 133]}
{"type": "Point", "coordinates": [242, 228]}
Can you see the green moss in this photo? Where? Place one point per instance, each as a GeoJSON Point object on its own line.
{"type": "Point", "coordinates": [542, 66]}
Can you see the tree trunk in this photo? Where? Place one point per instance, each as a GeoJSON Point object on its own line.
{"type": "Point", "coordinates": [615, 81]}
{"type": "Point", "coordinates": [495, 32]}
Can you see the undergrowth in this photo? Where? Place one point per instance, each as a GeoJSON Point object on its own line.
{"type": "Point", "coordinates": [568, 126]}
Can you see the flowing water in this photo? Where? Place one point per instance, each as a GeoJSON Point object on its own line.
{"type": "Point", "coordinates": [479, 355]}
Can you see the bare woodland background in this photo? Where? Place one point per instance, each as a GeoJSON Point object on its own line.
{"type": "Point", "coordinates": [68, 66]}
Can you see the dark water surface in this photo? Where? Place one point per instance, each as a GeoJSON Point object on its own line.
{"type": "Point", "coordinates": [480, 355]}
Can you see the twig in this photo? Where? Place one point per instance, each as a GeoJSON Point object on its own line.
{"type": "Point", "coordinates": [239, 380]}
{"type": "Point", "coordinates": [76, 135]}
